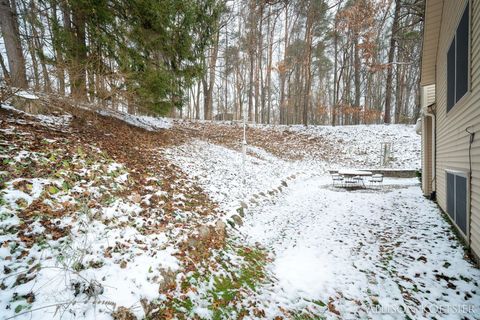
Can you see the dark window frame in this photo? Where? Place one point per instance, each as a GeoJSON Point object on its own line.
{"type": "Point", "coordinates": [458, 58]}
{"type": "Point", "coordinates": [462, 226]}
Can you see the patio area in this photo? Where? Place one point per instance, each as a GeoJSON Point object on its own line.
{"type": "Point", "coordinates": [353, 178]}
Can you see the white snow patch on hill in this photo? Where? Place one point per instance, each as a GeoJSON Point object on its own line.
{"type": "Point", "coordinates": [219, 170]}
{"type": "Point", "coordinates": [361, 144]}
{"type": "Point", "coordinates": [51, 121]}
{"type": "Point", "coordinates": [146, 122]}
{"type": "Point", "coordinates": [26, 95]}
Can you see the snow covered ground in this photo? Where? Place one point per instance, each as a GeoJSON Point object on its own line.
{"type": "Point", "coordinates": [382, 253]}
{"type": "Point", "coordinates": [146, 122]}
{"type": "Point", "coordinates": [362, 254]}
{"type": "Point", "coordinates": [77, 240]}
{"type": "Point", "coordinates": [220, 171]}
{"type": "Point", "coordinates": [79, 237]}
{"type": "Point", "coordinates": [361, 145]}
{"type": "Point", "coordinates": [65, 266]}
{"type": "Point", "coordinates": [353, 146]}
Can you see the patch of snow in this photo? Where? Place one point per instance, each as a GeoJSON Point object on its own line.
{"type": "Point", "coordinates": [12, 195]}
{"type": "Point", "coordinates": [26, 95]}
{"type": "Point", "coordinates": [114, 166]}
{"type": "Point", "coordinates": [146, 122]}
{"type": "Point", "coordinates": [362, 143]}
{"type": "Point", "coordinates": [291, 267]}
{"type": "Point", "coordinates": [122, 178]}
{"type": "Point", "coordinates": [61, 122]}
{"type": "Point", "coordinates": [219, 170]}
{"type": "Point", "coordinates": [124, 279]}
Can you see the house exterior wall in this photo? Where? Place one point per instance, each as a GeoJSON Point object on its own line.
{"type": "Point", "coordinates": [452, 141]}
{"type": "Point", "coordinates": [433, 10]}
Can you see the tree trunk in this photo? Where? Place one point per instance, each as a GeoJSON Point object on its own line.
{"type": "Point", "coordinates": [225, 103]}
{"type": "Point", "coordinates": [6, 75]}
{"type": "Point", "coordinates": [269, 68]}
{"type": "Point", "coordinates": [30, 47]}
{"type": "Point", "coordinates": [67, 24]}
{"type": "Point", "coordinates": [283, 71]}
{"type": "Point", "coordinates": [357, 79]}
{"type": "Point", "coordinates": [13, 45]}
{"type": "Point", "coordinates": [79, 81]}
{"type": "Point", "coordinates": [197, 102]}
{"type": "Point", "coordinates": [238, 85]}
{"type": "Point", "coordinates": [391, 56]}
{"type": "Point", "coordinates": [250, 86]}
{"type": "Point", "coordinates": [335, 69]}
{"type": "Point", "coordinates": [398, 92]}
{"type": "Point", "coordinates": [59, 62]}
{"type": "Point", "coordinates": [208, 85]}
{"type": "Point", "coordinates": [38, 45]}
{"type": "Point", "coordinates": [307, 68]}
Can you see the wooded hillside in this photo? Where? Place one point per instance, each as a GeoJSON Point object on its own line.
{"type": "Point", "coordinates": [304, 61]}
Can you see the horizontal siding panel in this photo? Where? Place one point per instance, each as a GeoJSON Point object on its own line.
{"type": "Point", "coordinates": [475, 238]}
{"type": "Point", "coordinates": [464, 113]}
{"type": "Point", "coordinates": [433, 10]}
{"type": "Point", "coordinates": [457, 148]}
{"type": "Point", "coordinates": [476, 191]}
{"type": "Point", "coordinates": [476, 155]}
{"type": "Point", "coordinates": [475, 233]}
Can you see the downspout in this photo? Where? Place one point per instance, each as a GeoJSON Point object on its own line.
{"type": "Point", "coordinates": [433, 183]}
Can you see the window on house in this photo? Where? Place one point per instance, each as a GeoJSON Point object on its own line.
{"type": "Point", "coordinates": [457, 200]}
{"type": "Point", "coordinates": [457, 62]}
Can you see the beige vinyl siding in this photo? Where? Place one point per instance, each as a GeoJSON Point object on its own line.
{"type": "Point", "coordinates": [433, 9]}
{"type": "Point", "coordinates": [452, 140]}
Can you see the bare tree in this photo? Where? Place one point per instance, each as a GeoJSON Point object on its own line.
{"type": "Point", "coordinates": [11, 35]}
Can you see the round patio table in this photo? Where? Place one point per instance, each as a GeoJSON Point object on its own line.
{"type": "Point", "coordinates": [354, 178]}
{"type": "Point", "coordinates": [353, 173]}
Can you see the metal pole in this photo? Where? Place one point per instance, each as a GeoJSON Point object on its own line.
{"type": "Point", "coordinates": [244, 143]}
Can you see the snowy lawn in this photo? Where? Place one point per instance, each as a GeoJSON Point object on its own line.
{"type": "Point", "coordinates": [220, 171]}
{"type": "Point", "coordinates": [351, 146]}
{"type": "Point", "coordinates": [81, 237]}
{"type": "Point", "coordinates": [382, 253]}
{"type": "Point", "coordinates": [365, 253]}
{"type": "Point", "coordinates": [361, 144]}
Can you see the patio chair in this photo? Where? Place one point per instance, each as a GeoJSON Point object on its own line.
{"type": "Point", "coordinates": [350, 182]}
{"type": "Point", "coordinates": [336, 179]}
{"type": "Point", "coordinates": [359, 181]}
{"type": "Point", "coordinates": [376, 179]}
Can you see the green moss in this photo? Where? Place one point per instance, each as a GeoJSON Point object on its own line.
{"type": "Point", "coordinates": [227, 287]}
{"type": "Point", "coordinates": [303, 316]}
{"type": "Point", "coordinates": [53, 189]}
{"type": "Point", "coordinates": [184, 306]}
